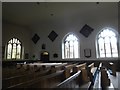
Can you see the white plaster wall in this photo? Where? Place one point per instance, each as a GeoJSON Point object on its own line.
{"type": "Point", "coordinates": [63, 26]}
{"type": "Point", "coordinates": [96, 19]}
{"type": "Point", "coordinates": [56, 46]}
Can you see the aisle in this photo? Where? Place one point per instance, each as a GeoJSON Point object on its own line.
{"type": "Point", "coordinates": [116, 80]}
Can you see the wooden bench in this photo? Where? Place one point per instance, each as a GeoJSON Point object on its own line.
{"type": "Point", "coordinates": [18, 70]}
{"type": "Point", "coordinates": [52, 80]}
{"type": "Point", "coordinates": [8, 72]}
{"type": "Point", "coordinates": [102, 80]}
{"type": "Point", "coordinates": [22, 69]}
{"type": "Point", "coordinates": [69, 70]}
{"type": "Point", "coordinates": [105, 81]}
{"type": "Point", "coordinates": [84, 73]}
{"type": "Point", "coordinates": [7, 82]}
{"type": "Point", "coordinates": [45, 81]}
{"type": "Point", "coordinates": [112, 68]}
{"type": "Point", "coordinates": [111, 84]}
{"type": "Point", "coordinates": [76, 80]}
{"type": "Point", "coordinates": [79, 67]}
{"type": "Point", "coordinates": [91, 72]}
{"type": "Point", "coordinates": [57, 76]}
{"type": "Point", "coordinates": [71, 82]}
{"type": "Point", "coordinates": [22, 78]}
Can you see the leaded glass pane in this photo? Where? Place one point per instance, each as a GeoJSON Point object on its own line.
{"type": "Point", "coordinates": [9, 49]}
{"type": "Point", "coordinates": [101, 45]}
{"type": "Point", "coordinates": [108, 55]}
{"type": "Point", "coordinates": [102, 55]}
{"type": "Point", "coordinates": [14, 51]}
{"type": "Point", "coordinates": [107, 43]}
{"type": "Point", "coordinates": [18, 51]}
{"type": "Point", "coordinates": [107, 48]}
{"type": "Point", "coordinates": [107, 40]}
{"type": "Point", "coordinates": [13, 40]}
{"type": "Point", "coordinates": [115, 55]}
{"type": "Point", "coordinates": [71, 47]}
{"type": "Point", "coordinates": [76, 49]}
{"type": "Point", "coordinates": [111, 34]}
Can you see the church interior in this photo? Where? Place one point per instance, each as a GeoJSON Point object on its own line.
{"type": "Point", "coordinates": [61, 45]}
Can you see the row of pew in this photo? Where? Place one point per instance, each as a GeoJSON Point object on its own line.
{"type": "Point", "coordinates": [102, 79]}
{"type": "Point", "coordinates": [50, 75]}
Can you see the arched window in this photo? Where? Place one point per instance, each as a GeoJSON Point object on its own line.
{"type": "Point", "coordinates": [107, 43]}
{"type": "Point", "coordinates": [70, 47]}
{"type": "Point", "coordinates": [14, 49]}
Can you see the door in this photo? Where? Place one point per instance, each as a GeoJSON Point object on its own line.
{"type": "Point", "coordinates": [45, 56]}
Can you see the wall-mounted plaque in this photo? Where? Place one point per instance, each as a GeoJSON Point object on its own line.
{"type": "Point", "coordinates": [52, 36]}
{"type": "Point", "coordinates": [87, 53]}
{"type": "Point", "coordinates": [35, 38]}
{"type": "Point", "coordinates": [86, 30]}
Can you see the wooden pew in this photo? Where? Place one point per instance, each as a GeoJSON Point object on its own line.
{"type": "Point", "coordinates": [79, 67]}
{"type": "Point", "coordinates": [92, 68]}
{"type": "Point", "coordinates": [18, 70]}
{"type": "Point", "coordinates": [57, 75]}
{"type": "Point", "coordinates": [46, 81]}
{"type": "Point", "coordinates": [105, 81]}
{"type": "Point", "coordinates": [53, 79]}
{"type": "Point", "coordinates": [76, 80]}
{"type": "Point", "coordinates": [19, 65]}
{"type": "Point", "coordinates": [69, 70]}
{"type": "Point", "coordinates": [113, 68]}
{"type": "Point", "coordinates": [84, 72]}
{"type": "Point", "coordinates": [26, 77]}
{"type": "Point", "coordinates": [91, 72]}
{"type": "Point", "coordinates": [9, 72]}
{"type": "Point", "coordinates": [71, 82]}
{"type": "Point", "coordinates": [111, 84]}
{"type": "Point", "coordinates": [55, 68]}
{"type": "Point", "coordinates": [102, 80]}
{"type": "Point", "coordinates": [22, 69]}
{"type": "Point", "coordinates": [22, 78]}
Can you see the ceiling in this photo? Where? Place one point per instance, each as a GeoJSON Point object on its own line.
{"type": "Point", "coordinates": [31, 13]}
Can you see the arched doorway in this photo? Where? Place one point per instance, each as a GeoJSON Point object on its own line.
{"type": "Point", "coordinates": [44, 56]}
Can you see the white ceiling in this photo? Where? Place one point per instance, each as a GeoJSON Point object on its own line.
{"type": "Point", "coordinates": [31, 13]}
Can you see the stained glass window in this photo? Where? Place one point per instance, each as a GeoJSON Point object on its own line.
{"type": "Point", "coordinates": [14, 49]}
{"type": "Point", "coordinates": [107, 43]}
{"type": "Point", "coordinates": [70, 47]}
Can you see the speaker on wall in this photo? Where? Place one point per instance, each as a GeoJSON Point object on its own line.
{"type": "Point", "coordinates": [26, 56]}
{"type": "Point", "coordinates": [35, 38]}
{"type": "Point", "coordinates": [86, 30]}
{"type": "Point", "coordinates": [87, 53]}
{"type": "Point", "coordinates": [55, 55]}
